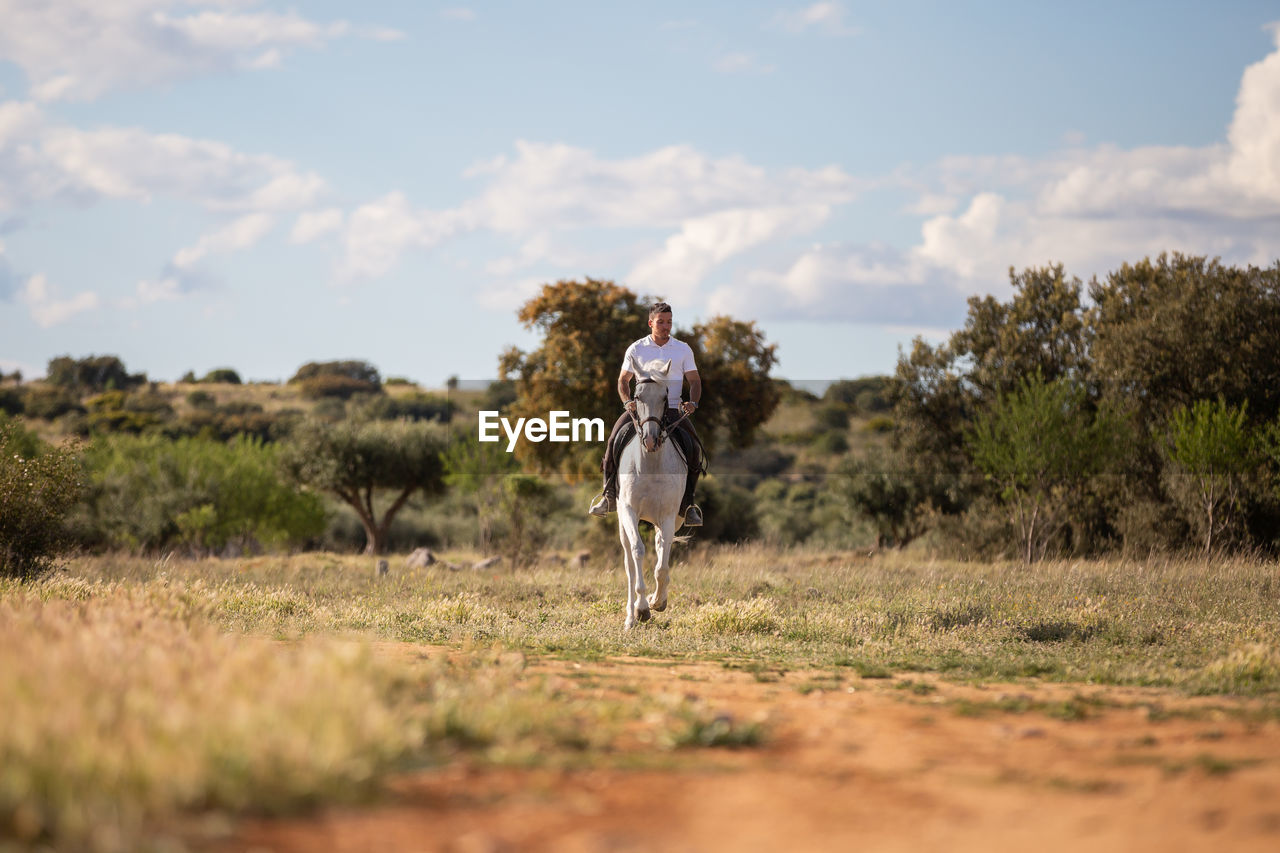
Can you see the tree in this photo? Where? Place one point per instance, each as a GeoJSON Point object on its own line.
{"type": "Point", "coordinates": [1181, 329]}
{"type": "Point", "coordinates": [225, 375]}
{"type": "Point", "coordinates": [738, 396]}
{"type": "Point", "coordinates": [38, 486]}
{"type": "Point", "coordinates": [1040, 445]}
{"type": "Point", "coordinates": [357, 461]}
{"type": "Point", "coordinates": [93, 374]}
{"type": "Point", "coordinates": [340, 379]}
{"type": "Point", "coordinates": [938, 391]}
{"type": "Point", "coordinates": [585, 328]}
{"type": "Point", "coordinates": [1213, 452]}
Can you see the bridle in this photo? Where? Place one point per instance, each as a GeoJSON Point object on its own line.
{"type": "Point", "coordinates": [663, 430]}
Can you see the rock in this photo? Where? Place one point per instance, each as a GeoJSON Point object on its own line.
{"type": "Point", "coordinates": [383, 567]}
{"type": "Point", "coordinates": [487, 564]}
{"type": "Point", "coordinates": [580, 559]}
{"type": "Point", "coordinates": [419, 558]}
{"type": "Point", "coordinates": [553, 559]}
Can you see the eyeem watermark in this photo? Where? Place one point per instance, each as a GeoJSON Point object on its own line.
{"type": "Point", "coordinates": [558, 426]}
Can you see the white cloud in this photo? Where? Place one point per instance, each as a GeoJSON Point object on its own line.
{"type": "Point", "coordinates": [45, 306]}
{"type": "Point", "coordinates": [869, 284]}
{"type": "Point", "coordinates": [458, 13]}
{"type": "Point", "coordinates": [562, 186]}
{"type": "Point", "coordinates": [378, 232]}
{"type": "Point", "coordinates": [236, 236]}
{"type": "Point", "coordinates": [1089, 209]}
{"type": "Point", "coordinates": [42, 160]}
{"type": "Point", "coordinates": [551, 188]}
{"type": "Point", "coordinates": [166, 289]}
{"type": "Point", "coordinates": [742, 63]}
{"type": "Point", "coordinates": [314, 224]}
{"type": "Point", "coordinates": [828, 18]}
{"type": "Point", "coordinates": [705, 242]}
{"type": "Point", "coordinates": [81, 49]}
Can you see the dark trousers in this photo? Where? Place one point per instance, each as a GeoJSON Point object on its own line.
{"type": "Point", "coordinates": [624, 428]}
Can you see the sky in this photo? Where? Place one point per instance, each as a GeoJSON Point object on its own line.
{"type": "Point", "coordinates": [194, 184]}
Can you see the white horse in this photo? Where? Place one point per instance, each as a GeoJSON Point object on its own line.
{"type": "Point", "coordinates": [651, 481]}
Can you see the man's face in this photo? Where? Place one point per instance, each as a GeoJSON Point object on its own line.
{"type": "Point", "coordinates": [660, 325]}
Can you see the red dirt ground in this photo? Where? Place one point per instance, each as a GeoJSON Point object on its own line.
{"type": "Point", "coordinates": [865, 765]}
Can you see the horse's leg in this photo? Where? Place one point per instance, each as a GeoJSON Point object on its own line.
{"type": "Point", "coordinates": [633, 555]}
{"type": "Point", "coordinates": [664, 538]}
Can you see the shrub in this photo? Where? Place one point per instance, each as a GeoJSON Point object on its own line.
{"type": "Point", "coordinates": [222, 374]}
{"type": "Point", "coordinates": [414, 407]}
{"type": "Point", "coordinates": [360, 371]}
{"type": "Point", "coordinates": [11, 401]}
{"type": "Point", "coordinates": [328, 385]}
{"type": "Point", "coordinates": [729, 512]}
{"type": "Point", "coordinates": [48, 402]}
{"type": "Point", "coordinates": [150, 492]}
{"type": "Point", "coordinates": [38, 485]}
{"type": "Point", "coordinates": [95, 373]}
{"type": "Point", "coordinates": [118, 411]}
{"type": "Point", "coordinates": [201, 400]}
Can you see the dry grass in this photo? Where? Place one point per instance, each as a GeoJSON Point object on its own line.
{"type": "Point", "coordinates": [140, 692]}
{"type": "Point", "coordinates": [132, 705]}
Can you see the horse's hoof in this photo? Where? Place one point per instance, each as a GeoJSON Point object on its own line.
{"type": "Point", "coordinates": [658, 608]}
{"type": "Point", "coordinates": [643, 615]}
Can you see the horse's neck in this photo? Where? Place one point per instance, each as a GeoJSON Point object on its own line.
{"type": "Point", "coordinates": [664, 460]}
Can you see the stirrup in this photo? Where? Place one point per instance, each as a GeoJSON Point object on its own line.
{"type": "Point", "coordinates": [693, 516]}
{"type": "Point", "coordinates": [602, 506]}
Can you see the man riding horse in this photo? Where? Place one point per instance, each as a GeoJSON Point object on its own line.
{"type": "Point", "coordinates": [657, 345]}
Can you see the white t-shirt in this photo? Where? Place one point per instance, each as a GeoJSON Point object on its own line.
{"type": "Point", "coordinates": [645, 350]}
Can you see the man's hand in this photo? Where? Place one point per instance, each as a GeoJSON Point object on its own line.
{"type": "Point", "coordinates": [688, 407]}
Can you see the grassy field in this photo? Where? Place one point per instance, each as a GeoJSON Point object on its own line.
{"type": "Point", "coordinates": [141, 695]}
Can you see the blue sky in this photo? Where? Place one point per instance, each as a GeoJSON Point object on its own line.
{"type": "Point", "coordinates": [192, 184]}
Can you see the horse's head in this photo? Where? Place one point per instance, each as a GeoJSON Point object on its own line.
{"type": "Point", "coordinates": [651, 399]}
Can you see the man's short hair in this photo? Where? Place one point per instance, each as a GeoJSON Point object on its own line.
{"type": "Point", "coordinates": [658, 308]}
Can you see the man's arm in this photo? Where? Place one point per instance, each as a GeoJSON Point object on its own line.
{"type": "Point", "coordinates": [624, 387]}
{"type": "Point", "coordinates": [695, 390]}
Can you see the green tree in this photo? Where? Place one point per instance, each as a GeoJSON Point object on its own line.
{"type": "Point", "coordinates": [38, 486]}
{"type": "Point", "coordinates": [1213, 453]}
{"type": "Point", "coordinates": [734, 362]}
{"type": "Point", "coordinates": [1040, 445]}
{"type": "Point", "coordinates": [222, 375]}
{"type": "Point", "coordinates": [939, 391]}
{"type": "Point", "coordinates": [339, 379]}
{"type": "Point", "coordinates": [358, 462]}
{"type": "Point", "coordinates": [93, 374]}
{"type": "Point", "coordinates": [585, 328]}
{"type": "Point", "coordinates": [1181, 329]}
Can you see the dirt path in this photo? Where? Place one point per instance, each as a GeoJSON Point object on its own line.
{"type": "Point", "coordinates": [863, 765]}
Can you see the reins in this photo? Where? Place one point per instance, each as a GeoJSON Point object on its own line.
{"type": "Point", "coordinates": [664, 430]}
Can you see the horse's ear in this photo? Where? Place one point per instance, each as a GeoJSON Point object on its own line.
{"type": "Point", "coordinates": [665, 367]}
